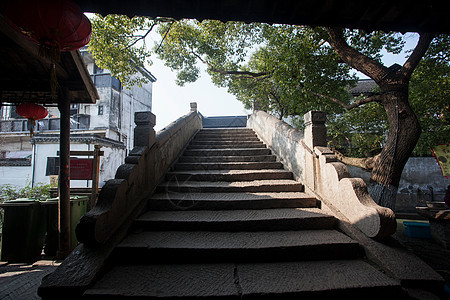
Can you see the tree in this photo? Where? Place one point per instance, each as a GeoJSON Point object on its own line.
{"type": "Point", "coordinates": [430, 93]}
{"type": "Point", "coordinates": [293, 69]}
{"type": "Point", "coordinates": [118, 44]}
{"type": "Point", "coordinates": [288, 70]}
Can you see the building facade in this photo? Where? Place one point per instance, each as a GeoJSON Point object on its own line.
{"type": "Point", "coordinates": [108, 123]}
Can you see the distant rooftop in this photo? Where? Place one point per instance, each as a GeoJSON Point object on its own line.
{"type": "Point", "coordinates": [366, 87]}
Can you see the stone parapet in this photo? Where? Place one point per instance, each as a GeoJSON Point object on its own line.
{"type": "Point", "coordinates": [136, 180]}
{"type": "Point", "coordinates": [318, 168]}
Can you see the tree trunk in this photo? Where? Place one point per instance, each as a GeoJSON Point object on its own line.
{"type": "Point", "coordinates": [404, 132]}
{"type": "Point", "coordinates": [404, 128]}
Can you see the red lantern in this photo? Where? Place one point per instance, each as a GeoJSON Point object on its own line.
{"type": "Point", "coordinates": [56, 24]}
{"type": "Point", "coordinates": [32, 112]}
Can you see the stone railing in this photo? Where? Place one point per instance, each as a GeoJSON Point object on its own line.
{"type": "Point", "coordinates": [127, 194]}
{"type": "Point", "coordinates": [307, 156]}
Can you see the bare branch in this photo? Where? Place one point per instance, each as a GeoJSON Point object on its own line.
{"type": "Point", "coordinates": [417, 54]}
{"type": "Point", "coordinates": [141, 37]}
{"type": "Point", "coordinates": [374, 98]}
{"type": "Point", "coordinates": [164, 37]}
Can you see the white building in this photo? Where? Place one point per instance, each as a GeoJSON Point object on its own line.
{"type": "Point", "coordinates": [108, 123]}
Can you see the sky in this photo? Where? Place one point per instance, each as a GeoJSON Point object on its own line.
{"type": "Point", "coordinates": [171, 101]}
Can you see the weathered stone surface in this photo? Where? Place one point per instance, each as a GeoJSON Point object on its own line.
{"type": "Point", "coordinates": [208, 246]}
{"type": "Point", "coordinates": [145, 118]}
{"type": "Point", "coordinates": [315, 279]}
{"type": "Point", "coordinates": [225, 145]}
{"type": "Point", "coordinates": [237, 220]}
{"type": "Point", "coordinates": [242, 158]}
{"type": "Point", "coordinates": [229, 175]}
{"type": "Point", "coordinates": [282, 139]}
{"type": "Point", "coordinates": [230, 165]}
{"type": "Point", "coordinates": [317, 166]}
{"type": "Point", "coordinates": [226, 152]}
{"type": "Point", "coordinates": [229, 201]}
{"type": "Point", "coordinates": [232, 187]}
{"type": "Point", "coordinates": [167, 281]}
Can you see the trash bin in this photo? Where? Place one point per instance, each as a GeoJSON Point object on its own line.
{"type": "Point", "coordinates": [23, 232]}
{"type": "Point", "coordinates": [78, 207]}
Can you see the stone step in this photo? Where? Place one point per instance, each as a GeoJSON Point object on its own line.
{"type": "Point", "coordinates": [227, 201]}
{"type": "Point", "coordinates": [226, 139]}
{"type": "Point", "coordinates": [330, 279]}
{"type": "Point", "coordinates": [236, 220]}
{"type": "Point", "coordinates": [225, 145]}
{"type": "Point", "coordinates": [218, 246]}
{"type": "Point", "coordinates": [231, 187]}
{"type": "Point", "coordinates": [229, 166]}
{"type": "Point", "coordinates": [228, 175]}
{"type": "Point", "coordinates": [227, 152]}
{"type": "Point", "coordinates": [204, 135]}
{"type": "Point", "coordinates": [198, 159]}
{"type": "Point", "coordinates": [227, 130]}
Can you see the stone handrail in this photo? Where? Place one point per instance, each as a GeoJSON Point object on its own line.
{"type": "Point", "coordinates": [307, 156]}
{"type": "Point", "coordinates": [136, 180]}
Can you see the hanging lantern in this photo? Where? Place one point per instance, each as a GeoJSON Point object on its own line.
{"type": "Point", "coordinates": [32, 112]}
{"type": "Point", "coordinates": [55, 25]}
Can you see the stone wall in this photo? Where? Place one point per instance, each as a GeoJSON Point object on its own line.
{"type": "Point", "coordinates": [421, 181]}
{"type": "Point", "coordinates": [284, 140]}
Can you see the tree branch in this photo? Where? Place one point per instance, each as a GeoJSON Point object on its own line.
{"type": "Point", "coordinates": [374, 98]}
{"type": "Point", "coordinates": [141, 37]}
{"type": "Point", "coordinates": [164, 37]}
{"type": "Point", "coordinates": [354, 58]}
{"type": "Point", "coordinates": [417, 54]}
{"type": "Point", "coordinates": [226, 72]}
{"type": "Point", "coordinates": [367, 163]}
{"type": "Point", "coordinates": [280, 107]}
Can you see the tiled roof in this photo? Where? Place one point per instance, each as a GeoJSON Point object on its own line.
{"type": "Point", "coordinates": [365, 87]}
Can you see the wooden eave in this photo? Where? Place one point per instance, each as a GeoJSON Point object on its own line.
{"type": "Point", "coordinates": [25, 74]}
{"type": "Point", "coordinates": [388, 15]}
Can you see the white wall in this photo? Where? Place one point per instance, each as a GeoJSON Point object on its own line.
{"type": "Point", "coordinates": [112, 159]}
{"type": "Point", "coordinates": [17, 176]}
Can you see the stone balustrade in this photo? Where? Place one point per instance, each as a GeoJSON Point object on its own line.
{"type": "Point", "coordinates": [317, 167]}
{"type": "Point", "coordinates": [135, 181]}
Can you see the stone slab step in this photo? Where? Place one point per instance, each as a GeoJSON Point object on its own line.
{"type": "Point", "coordinates": [228, 175]}
{"type": "Point", "coordinates": [229, 166]}
{"type": "Point", "coordinates": [227, 201]}
{"type": "Point", "coordinates": [237, 220]}
{"type": "Point", "coordinates": [232, 143]}
{"type": "Point", "coordinates": [225, 145]}
{"type": "Point", "coordinates": [226, 134]}
{"type": "Point", "coordinates": [227, 152]}
{"type": "Point", "coordinates": [226, 139]}
{"type": "Point", "coordinates": [231, 187]}
{"type": "Point", "coordinates": [198, 159]}
{"type": "Point", "coordinates": [330, 279]}
{"type": "Point", "coordinates": [228, 130]}
{"type": "Point", "coordinates": [218, 246]}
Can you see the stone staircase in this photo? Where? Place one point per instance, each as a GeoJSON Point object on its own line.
{"type": "Point", "coordinates": [231, 222]}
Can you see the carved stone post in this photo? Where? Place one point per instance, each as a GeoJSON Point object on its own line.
{"type": "Point", "coordinates": [315, 130]}
{"type": "Point", "coordinates": [193, 106]}
{"type": "Point", "coordinates": [315, 135]}
{"type": "Point", "coordinates": [144, 134]}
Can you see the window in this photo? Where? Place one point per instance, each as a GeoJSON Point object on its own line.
{"type": "Point", "coordinates": [100, 110]}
